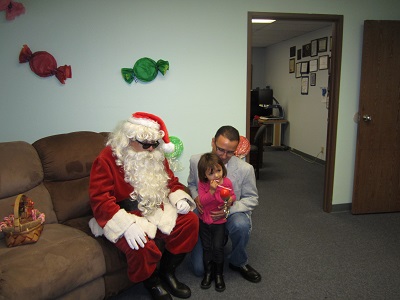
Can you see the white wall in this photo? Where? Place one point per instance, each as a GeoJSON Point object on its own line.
{"type": "Point", "coordinates": [206, 45]}
{"type": "Point", "coordinates": [307, 114]}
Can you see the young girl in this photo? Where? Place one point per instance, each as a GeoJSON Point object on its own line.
{"type": "Point", "coordinates": [215, 191]}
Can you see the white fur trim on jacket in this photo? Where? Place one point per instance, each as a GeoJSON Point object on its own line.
{"type": "Point", "coordinates": [179, 195]}
{"type": "Point", "coordinates": [119, 223]}
{"type": "Point", "coordinates": [168, 219]}
{"type": "Point", "coordinates": [165, 220]}
{"type": "Point", "coordinates": [95, 227]}
{"type": "Point", "coordinates": [148, 228]}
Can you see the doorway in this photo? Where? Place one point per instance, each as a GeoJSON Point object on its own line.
{"type": "Point", "coordinates": [334, 86]}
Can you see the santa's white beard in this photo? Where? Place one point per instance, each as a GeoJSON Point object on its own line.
{"type": "Point", "coordinates": [145, 171]}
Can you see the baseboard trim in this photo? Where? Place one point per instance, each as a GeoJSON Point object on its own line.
{"type": "Point", "coordinates": [345, 207]}
{"type": "Point", "coordinates": [308, 156]}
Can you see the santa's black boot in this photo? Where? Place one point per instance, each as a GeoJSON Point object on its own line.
{"type": "Point", "coordinates": [168, 265]}
{"type": "Point", "coordinates": [208, 275]}
{"type": "Point", "coordinates": [219, 277]}
{"type": "Point", "coordinates": [156, 288]}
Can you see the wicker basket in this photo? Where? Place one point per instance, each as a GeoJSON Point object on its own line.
{"type": "Point", "coordinates": [25, 229]}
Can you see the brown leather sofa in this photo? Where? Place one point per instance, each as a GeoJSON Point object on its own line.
{"type": "Point", "coordinates": [67, 262]}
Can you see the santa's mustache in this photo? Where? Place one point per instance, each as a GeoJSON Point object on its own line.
{"type": "Point", "coordinates": [156, 155]}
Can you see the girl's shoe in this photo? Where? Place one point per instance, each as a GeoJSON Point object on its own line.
{"type": "Point", "coordinates": [219, 277]}
{"type": "Point", "coordinates": [208, 275]}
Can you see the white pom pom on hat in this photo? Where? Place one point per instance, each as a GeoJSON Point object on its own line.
{"type": "Point", "coordinates": [155, 122]}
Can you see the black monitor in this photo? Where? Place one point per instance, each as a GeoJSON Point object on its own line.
{"type": "Point", "coordinates": [255, 108]}
{"type": "Point", "coordinates": [265, 97]}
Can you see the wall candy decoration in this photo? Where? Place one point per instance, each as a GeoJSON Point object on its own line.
{"type": "Point", "coordinates": [13, 9]}
{"type": "Point", "coordinates": [145, 69]}
{"type": "Point", "coordinates": [44, 64]}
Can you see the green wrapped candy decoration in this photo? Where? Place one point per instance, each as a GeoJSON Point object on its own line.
{"type": "Point", "coordinates": [145, 69]}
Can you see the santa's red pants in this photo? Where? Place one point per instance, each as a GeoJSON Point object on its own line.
{"type": "Point", "coordinates": [182, 239]}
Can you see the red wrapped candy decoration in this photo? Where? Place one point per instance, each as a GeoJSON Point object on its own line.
{"type": "Point", "coordinates": [13, 9]}
{"type": "Point", "coordinates": [44, 64]}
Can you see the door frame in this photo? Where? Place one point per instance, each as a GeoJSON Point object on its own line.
{"type": "Point", "coordinates": [336, 60]}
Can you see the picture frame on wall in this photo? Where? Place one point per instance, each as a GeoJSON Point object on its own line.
{"type": "Point", "coordinates": [293, 51]}
{"type": "Point", "coordinates": [304, 67]}
{"type": "Point", "coordinates": [298, 54]}
{"type": "Point", "coordinates": [314, 65]}
{"type": "Point", "coordinates": [313, 79]}
{"type": "Point", "coordinates": [329, 65]}
{"type": "Point", "coordinates": [304, 85]}
{"type": "Point", "coordinates": [323, 44]}
{"type": "Point", "coordinates": [314, 48]}
{"type": "Point", "coordinates": [298, 67]}
{"type": "Point", "coordinates": [306, 50]}
{"type": "Point", "coordinates": [323, 61]}
{"type": "Point", "coordinates": [291, 65]}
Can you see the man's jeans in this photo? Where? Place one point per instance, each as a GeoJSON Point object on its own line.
{"type": "Point", "coordinates": [239, 227]}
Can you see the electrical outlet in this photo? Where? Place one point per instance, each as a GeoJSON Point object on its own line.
{"type": "Point", "coordinates": [322, 149]}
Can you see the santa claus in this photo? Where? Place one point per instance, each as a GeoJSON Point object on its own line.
{"type": "Point", "coordinates": [136, 198]}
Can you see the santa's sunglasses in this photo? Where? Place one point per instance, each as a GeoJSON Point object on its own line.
{"type": "Point", "coordinates": [148, 145]}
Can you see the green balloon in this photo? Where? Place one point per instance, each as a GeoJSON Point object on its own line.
{"type": "Point", "coordinates": [178, 147]}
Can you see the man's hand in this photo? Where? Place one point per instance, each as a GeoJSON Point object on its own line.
{"type": "Point", "coordinates": [229, 202]}
{"type": "Point", "coordinates": [221, 212]}
{"type": "Point", "coordinates": [135, 236]}
{"type": "Point", "coordinates": [218, 214]}
{"type": "Point", "coordinates": [198, 204]}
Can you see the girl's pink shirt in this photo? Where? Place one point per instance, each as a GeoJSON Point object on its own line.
{"type": "Point", "coordinates": [210, 202]}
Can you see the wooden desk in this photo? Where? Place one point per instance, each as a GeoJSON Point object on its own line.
{"type": "Point", "coordinates": [277, 130]}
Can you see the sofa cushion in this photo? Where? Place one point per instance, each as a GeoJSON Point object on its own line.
{"type": "Point", "coordinates": [21, 172]}
{"type": "Point", "coordinates": [93, 290]}
{"type": "Point", "coordinates": [116, 278]}
{"type": "Point", "coordinates": [21, 169]}
{"type": "Point", "coordinates": [70, 198]}
{"type": "Point", "coordinates": [115, 259]}
{"type": "Point", "coordinates": [67, 161]}
{"type": "Point", "coordinates": [62, 260]}
{"type": "Point", "coordinates": [69, 156]}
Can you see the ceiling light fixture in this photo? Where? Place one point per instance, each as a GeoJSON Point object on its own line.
{"type": "Point", "coordinates": [264, 21]}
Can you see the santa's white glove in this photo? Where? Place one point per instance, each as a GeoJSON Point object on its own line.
{"type": "Point", "coordinates": [135, 236]}
{"type": "Point", "coordinates": [182, 207]}
{"type": "Point", "coordinates": [95, 227]}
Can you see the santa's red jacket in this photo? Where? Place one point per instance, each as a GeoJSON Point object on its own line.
{"type": "Point", "coordinates": [107, 187]}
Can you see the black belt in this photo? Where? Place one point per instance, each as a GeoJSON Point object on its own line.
{"type": "Point", "coordinates": [128, 204]}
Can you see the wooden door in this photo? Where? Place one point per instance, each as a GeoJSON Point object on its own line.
{"type": "Point", "coordinates": [377, 166]}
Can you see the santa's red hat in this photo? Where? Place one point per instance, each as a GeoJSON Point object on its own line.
{"type": "Point", "coordinates": [152, 121]}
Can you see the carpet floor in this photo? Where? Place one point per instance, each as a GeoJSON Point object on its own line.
{"type": "Point", "coordinates": [301, 251]}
